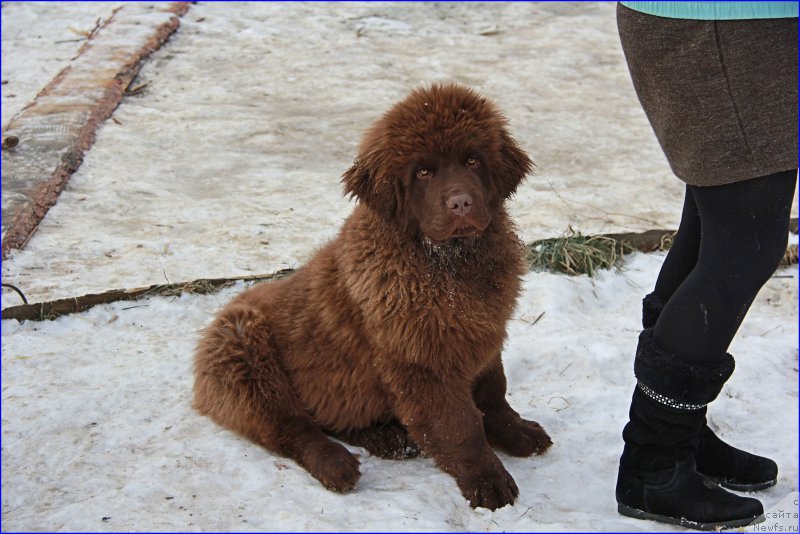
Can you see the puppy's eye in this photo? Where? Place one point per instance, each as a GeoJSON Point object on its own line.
{"type": "Point", "coordinates": [473, 162]}
{"type": "Point", "coordinates": [424, 174]}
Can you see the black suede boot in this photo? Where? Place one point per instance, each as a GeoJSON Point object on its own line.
{"type": "Point", "coordinates": [726, 465]}
{"type": "Point", "coordinates": [733, 468]}
{"type": "Point", "coordinates": [658, 479]}
{"type": "Point", "coordinates": [652, 305]}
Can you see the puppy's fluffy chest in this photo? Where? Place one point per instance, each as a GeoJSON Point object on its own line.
{"type": "Point", "coordinates": [443, 306]}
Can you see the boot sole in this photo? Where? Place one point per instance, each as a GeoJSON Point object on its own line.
{"type": "Point", "coordinates": [683, 522]}
{"type": "Point", "coordinates": [738, 486]}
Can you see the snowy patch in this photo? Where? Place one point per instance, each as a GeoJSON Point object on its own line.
{"type": "Point", "coordinates": [97, 421]}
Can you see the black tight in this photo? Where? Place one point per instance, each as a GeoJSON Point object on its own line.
{"type": "Point", "coordinates": [730, 241]}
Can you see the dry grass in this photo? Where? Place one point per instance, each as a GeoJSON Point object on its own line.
{"type": "Point", "coordinates": [790, 258]}
{"type": "Point", "coordinates": [574, 253]}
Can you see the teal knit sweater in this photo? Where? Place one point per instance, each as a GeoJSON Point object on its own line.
{"type": "Point", "coordinates": [717, 10]}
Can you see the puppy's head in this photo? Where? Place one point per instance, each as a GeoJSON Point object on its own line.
{"type": "Point", "coordinates": [441, 162]}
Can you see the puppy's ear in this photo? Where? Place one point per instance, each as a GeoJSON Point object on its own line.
{"type": "Point", "coordinates": [513, 166]}
{"type": "Point", "coordinates": [371, 188]}
{"type": "Point", "coordinates": [356, 181]}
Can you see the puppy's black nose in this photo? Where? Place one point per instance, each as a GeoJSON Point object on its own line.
{"type": "Point", "coordinates": [460, 204]}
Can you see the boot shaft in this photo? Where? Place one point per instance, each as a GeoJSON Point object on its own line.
{"type": "Point", "coordinates": [657, 436]}
{"type": "Point", "coordinates": [668, 407]}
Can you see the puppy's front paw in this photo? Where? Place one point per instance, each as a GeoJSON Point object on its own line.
{"type": "Point", "coordinates": [516, 436]}
{"type": "Point", "coordinates": [490, 489]}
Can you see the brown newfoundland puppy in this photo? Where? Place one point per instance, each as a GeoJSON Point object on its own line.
{"type": "Point", "coordinates": [390, 338]}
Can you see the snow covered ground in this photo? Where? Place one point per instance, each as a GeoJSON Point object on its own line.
{"type": "Point", "coordinates": [251, 112]}
{"type": "Point", "coordinates": [97, 421]}
{"type": "Point", "coordinates": [38, 41]}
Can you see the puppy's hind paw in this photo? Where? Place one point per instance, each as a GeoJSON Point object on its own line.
{"type": "Point", "coordinates": [333, 465]}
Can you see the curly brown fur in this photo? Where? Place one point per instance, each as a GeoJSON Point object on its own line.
{"type": "Point", "coordinates": [390, 337]}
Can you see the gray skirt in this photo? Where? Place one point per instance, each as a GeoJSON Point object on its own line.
{"type": "Point", "coordinates": [721, 96]}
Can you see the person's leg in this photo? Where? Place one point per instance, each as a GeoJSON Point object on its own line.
{"type": "Point", "coordinates": [744, 236]}
{"type": "Point", "coordinates": [682, 255]}
{"type": "Point", "coordinates": [745, 227]}
{"type": "Point", "coordinates": [667, 443]}
{"type": "Point", "coordinates": [680, 261]}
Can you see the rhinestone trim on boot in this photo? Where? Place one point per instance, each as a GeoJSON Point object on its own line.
{"type": "Point", "coordinates": [666, 401]}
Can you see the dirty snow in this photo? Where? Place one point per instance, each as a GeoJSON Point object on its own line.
{"type": "Point", "coordinates": [40, 39]}
{"type": "Point", "coordinates": [228, 164]}
{"type": "Point", "coordinates": [97, 423]}
{"type": "Point", "coordinates": [252, 112]}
